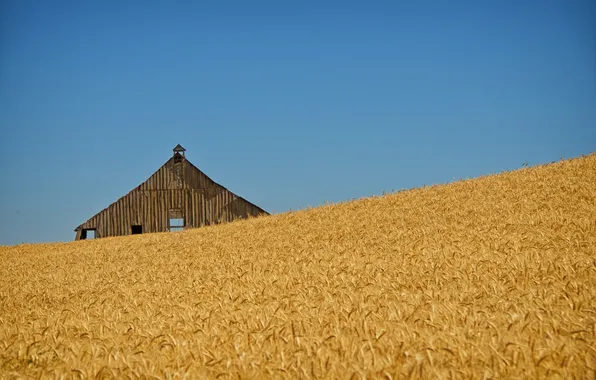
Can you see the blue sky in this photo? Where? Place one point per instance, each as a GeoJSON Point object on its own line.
{"type": "Point", "coordinates": [288, 105]}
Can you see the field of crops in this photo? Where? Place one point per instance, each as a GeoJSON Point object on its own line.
{"type": "Point", "coordinates": [493, 277]}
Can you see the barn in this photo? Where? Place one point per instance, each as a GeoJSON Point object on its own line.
{"type": "Point", "coordinates": [177, 196]}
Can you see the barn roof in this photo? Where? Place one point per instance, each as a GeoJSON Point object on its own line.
{"type": "Point", "coordinates": [187, 184]}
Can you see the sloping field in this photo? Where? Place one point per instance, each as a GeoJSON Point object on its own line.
{"type": "Point", "coordinates": [487, 278]}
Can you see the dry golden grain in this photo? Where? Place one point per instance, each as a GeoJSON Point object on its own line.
{"type": "Point", "coordinates": [493, 277]}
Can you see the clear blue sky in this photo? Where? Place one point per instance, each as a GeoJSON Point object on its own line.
{"type": "Point", "coordinates": [286, 105]}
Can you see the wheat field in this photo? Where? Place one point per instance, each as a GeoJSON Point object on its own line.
{"type": "Point", "coordinates": [493, 277]}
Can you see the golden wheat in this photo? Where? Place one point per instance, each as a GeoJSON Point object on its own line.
{"type": "Point", "coordinates": [493, 277]}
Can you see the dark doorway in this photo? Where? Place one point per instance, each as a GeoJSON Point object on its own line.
{"type": "Point", "coordinates": [136, 229]}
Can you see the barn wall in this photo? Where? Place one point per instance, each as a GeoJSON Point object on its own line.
{"type": "Point", "coordinates": [176, 185]}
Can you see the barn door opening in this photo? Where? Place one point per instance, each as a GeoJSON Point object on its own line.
{"type": "Point", "coordinates": [88, 233]}
{"type": "Point", "coordinates": [136, 229]}
{"type": "Point", "coordinates": [176, 220]}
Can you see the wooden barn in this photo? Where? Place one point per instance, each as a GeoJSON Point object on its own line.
{"type": "Point", "coordinates": [177, 196]}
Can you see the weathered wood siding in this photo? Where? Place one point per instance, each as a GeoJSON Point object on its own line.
{"type": "Point", "coordinates": [176, 185]}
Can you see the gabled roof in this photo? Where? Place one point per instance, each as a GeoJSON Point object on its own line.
{"type": "Point", "coordinates": [178, 148]}
{"type": "Point", "coordinates": [188, 183]}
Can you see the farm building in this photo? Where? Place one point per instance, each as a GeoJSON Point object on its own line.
{"type": "Point", "coordinates": [177, 196]}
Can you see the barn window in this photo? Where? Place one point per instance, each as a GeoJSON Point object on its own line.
{"type": "Point", "coordinates": [177, 224]}
{"type": "Point", "coordinates": [176, 220]}
{"type": "Point", "coordinates": [136, 229]}
{"type": "Point", "coordinates": [88, 233]}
